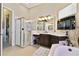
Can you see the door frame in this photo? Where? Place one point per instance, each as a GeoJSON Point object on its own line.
{"type": "Point", "coordinates": [13, 28]}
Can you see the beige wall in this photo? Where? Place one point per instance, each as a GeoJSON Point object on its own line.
{"type": "Point", "coordinates": [46, 9]}
{"type": "Point", "coordinates": [19, 10]}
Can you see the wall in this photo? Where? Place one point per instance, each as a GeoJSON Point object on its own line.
{"type": "Point", "coordinates": [19, 10]}
{"type": "Point", "coordinates": [46, 9]}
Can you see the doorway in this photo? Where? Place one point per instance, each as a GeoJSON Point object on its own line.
{"type": "Point", "coordinates": [7, 27]}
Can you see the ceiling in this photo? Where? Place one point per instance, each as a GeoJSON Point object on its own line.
{"type": "Point", "coordinates": [30, 5]}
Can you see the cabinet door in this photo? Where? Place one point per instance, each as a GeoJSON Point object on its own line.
{"type": "Point", "coordinates": [44, 40]}
{"type": "Point", "coordinates": [54, 40]}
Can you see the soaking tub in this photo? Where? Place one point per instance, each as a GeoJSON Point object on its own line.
{"type": "Point", "coordinates": [66, 51]}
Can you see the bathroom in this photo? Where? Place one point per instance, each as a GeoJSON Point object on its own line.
{"type": "Point", "coordinates": [39, 24]}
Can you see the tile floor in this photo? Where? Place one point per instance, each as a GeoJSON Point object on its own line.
{"type": "Point", "coordinates": [18, 51]}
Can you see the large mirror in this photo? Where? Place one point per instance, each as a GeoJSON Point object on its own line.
{"type": "Point", "coordinates": [50, 27]}
{"type": "Point", "coordinates": [40, 26]}
{"type": "Point", "coordinates": [44, 26]}
{"type": "Point", "coordinates": [45, 23]}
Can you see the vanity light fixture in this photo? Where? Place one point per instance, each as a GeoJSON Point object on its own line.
{"type": "Point", "coordinates": [49, 17]}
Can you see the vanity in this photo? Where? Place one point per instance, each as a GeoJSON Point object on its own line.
{"type": "Point", "coordinates": [47, 39]}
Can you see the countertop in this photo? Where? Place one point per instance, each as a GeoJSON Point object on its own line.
{"type": "Point", "coordinates": [53, 33]}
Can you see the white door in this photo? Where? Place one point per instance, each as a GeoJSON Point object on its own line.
{"type": "Point", "coordinates": [18, 33]}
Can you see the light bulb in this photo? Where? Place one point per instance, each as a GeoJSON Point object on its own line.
{"type": "Point", "coordinates": [39, 18]}
{"type": "Point", "coordinates": [49, 17]}
{"type": "Point", "coordinates": [43, 18]}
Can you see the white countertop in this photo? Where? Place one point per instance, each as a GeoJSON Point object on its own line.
{"type": "Point", "coordinates": [56, 34]}
{"type": "Point", "coordinates": [52, 33]}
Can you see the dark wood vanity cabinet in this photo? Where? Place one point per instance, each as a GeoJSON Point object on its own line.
{"type": "Point", "coordinates": [47, 40]}
{"type": "Point", "coordinates": [56, 39]}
